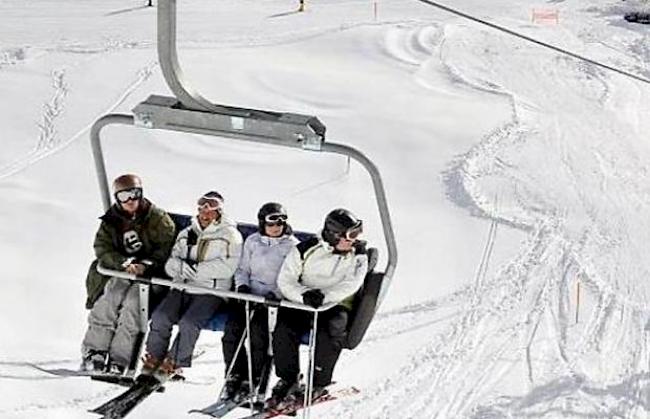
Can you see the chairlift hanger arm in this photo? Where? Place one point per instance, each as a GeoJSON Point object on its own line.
{"type": "Point", "coordinates": [171, 68]}
{"type": "Point", "coordinates": [98, 154]}
{"type": "Point", "coordinates": [380, 194]}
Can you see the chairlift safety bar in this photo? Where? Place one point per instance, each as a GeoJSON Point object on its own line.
{"type": "Point", "coordinates": [212, 291]}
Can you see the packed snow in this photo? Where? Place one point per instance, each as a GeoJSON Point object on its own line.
{"type": "Point", "coordinates": [516, 178]}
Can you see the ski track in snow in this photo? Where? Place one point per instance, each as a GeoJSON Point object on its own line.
{"type": "Point", "coordinates": [519, 323]}
{"type": "Point", "coordinates": [48, 142]}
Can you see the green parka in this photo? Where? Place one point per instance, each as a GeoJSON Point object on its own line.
{"type": "Point", "coordinates": [155, 232]}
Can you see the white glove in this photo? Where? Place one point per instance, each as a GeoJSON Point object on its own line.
{"type": "Point", "coordinates": [188, 272]}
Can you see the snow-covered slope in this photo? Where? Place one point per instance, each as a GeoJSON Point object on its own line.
{"type": "Point", "coordinates": [514, 175]}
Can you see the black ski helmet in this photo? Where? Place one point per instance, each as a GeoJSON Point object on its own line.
{"type": "Point", "coordinates": [337, 223]}
{"type": "Point", "coordinates": [267, 209]}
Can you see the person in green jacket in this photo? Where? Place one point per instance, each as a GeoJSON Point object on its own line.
{"type": "Point", "coordinates": [136, 237]}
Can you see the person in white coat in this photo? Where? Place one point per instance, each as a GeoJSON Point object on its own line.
{"type": "Point", "coordinates": [318, 272]}
{"type": "Point", "coordinates": [205, 254]}
{"type": "Point", "coordinates": [257, 273]}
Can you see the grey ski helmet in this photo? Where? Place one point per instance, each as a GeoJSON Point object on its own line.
{"type": "Point", "coordinates": [339, 223]}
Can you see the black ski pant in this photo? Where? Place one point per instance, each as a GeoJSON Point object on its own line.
{"type": "Point", "coordinates": [330, 337]}
{"type": "Point", "coordinates": [235, 329]}
{"type": "Point", "coordinates": [190, 312]}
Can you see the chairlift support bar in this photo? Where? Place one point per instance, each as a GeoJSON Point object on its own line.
{"type": "Point", "coordinates": [211, 291]}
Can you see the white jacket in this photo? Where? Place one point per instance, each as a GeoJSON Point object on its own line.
{"type": "Point", "coordinates": [261, 261]}
{"type": "Point", "coordinates": [337, 276]}
{"type": "Point", "coordinates": [215, 254]}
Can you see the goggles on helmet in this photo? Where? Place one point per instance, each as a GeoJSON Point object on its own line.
{"type": "Point", "coordinates": [209, 202]}
{"type": "Point", "coordinates": [126, 195]}
{"type": "Point", "coordinates": [353, 233]}
{"type": "Point", "coordinates": [275, 219]}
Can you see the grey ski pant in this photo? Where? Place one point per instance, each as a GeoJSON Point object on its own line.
{"type": "Point", "coordinates": [190, 312]}
{"type": "Point", "coordinates": [114, 323]}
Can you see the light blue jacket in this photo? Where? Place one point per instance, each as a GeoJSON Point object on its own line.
{"type": "Point", "coordinates": [260, 262]}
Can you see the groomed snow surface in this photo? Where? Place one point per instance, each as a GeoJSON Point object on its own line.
{"type": "Point", "coordinates": [515, 177]}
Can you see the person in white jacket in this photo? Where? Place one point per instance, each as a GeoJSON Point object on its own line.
{"type": "Point", "coordinates": [317, 272]}
{"type": "Point", "coordinates": [257, 273]}
{"type": "Point", "coordinates": [205, 254]}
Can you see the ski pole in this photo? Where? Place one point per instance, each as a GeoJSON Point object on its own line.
{"type": "Point", "coordinates": [310, 375]}
{"type": "Point", "coordinates": [272, 313]}
{"type": "Point", "coordinates": [249, 356]}
{"type": "Point", "coordinates": [234, 360]}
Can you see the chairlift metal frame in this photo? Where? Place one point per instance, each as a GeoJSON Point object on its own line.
{"type": "Point", "coordinates": [190, 112]}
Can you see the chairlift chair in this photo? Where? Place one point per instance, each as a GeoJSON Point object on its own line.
{"type": "Point", "coordinates": [189, 112]}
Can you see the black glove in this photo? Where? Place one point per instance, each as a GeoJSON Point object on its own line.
{"type": "Point", "coordinates": [243, 289]}
{"type": "Point", "coordinates": [272, 300]}
{"type": "Point", "coordinates": [360, 247]}
{"type": "Point", "coordinates": [271, 296]}
{"type": "Point", "coordinates": [313, 298]}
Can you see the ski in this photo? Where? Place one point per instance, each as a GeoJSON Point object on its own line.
{"type": "Point", "coordinates": [120, 406]}
{"type": "Point", "coordinates": [221, 408]}
{"type": "Point", "coordinates": [125, 379]}
{"type": "Point", "coordinates": [68, 372]}
{"type": "Point", "coordinates": [139, 389]}
{"type": "Point", "coordinates": [292, 407]}
{"type": "Point", "coordinates": [128, 394]}
{"type": "Point", "coordinates": [93, 374]}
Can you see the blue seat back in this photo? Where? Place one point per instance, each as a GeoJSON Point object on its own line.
{"type": "Point", "coordinates": [246, 229]}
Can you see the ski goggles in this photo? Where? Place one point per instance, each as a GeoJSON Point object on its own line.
{"type": "Point", "coordinates": [352, 234]}
{"type": "Point", "coordinates": [209, 202]}
{"type": "Point", "coordinates": [275, 219]}
{"type": "Point", "coordinates": [126, 195]}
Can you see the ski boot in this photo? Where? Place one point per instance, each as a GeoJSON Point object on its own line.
{"type": "Point", "coordinates": [94, 361]}
{"type": "Point", "coordinates": [150, 364]}
{"type": "Point", "coordinates": [281, 392]}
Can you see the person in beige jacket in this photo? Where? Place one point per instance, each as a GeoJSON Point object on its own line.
{"type": "Point", "coordinates": [205, 254]}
